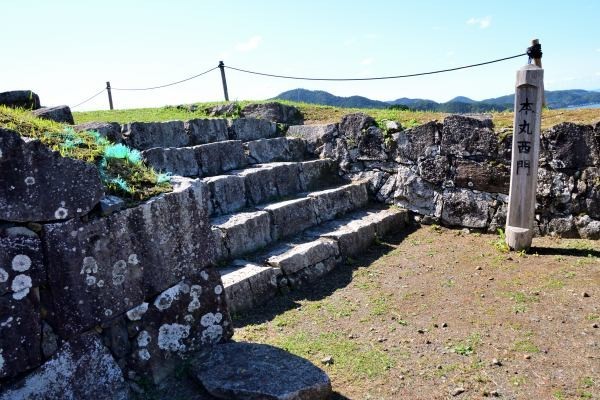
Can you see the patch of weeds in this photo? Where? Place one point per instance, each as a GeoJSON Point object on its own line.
{"type": "Point", "coordinates": [522, 299]}
{"type": "Point", "coordinates": [585, 395]}
{"type": "Point", "coordinates": [349, 357]}
{"type": "Point", "coordinates": [340, 309]}
{"type": "Point", "coordinates": [380, 305]}
{"type": "Point", "coordinates": [592, 317]}
{"type": "Point", "coordinates": [445, 370]}
{"type": "Point", "coordinates": [435, 228]}
{"type": "Point", "coordinates": [525, 346]}
{"type": "Point", "coordinates": [468, 346]}
{"type": "Point", "coordinates": [500, 243]}
{"type": "Point", "coordinates": [288, 319]}
{"type": "Point", "coordinates": [553, 283]}
{"type": "Point", "coordinates": [558, 395]}
{"type": "Point", "coordinates": [587, 382]}
{"type": "Point", "coordinates": [448, 283]}
{"type": "Point", "coordinates": [121, 169]}
{"type": "Point", "coordinates": [518, 380]}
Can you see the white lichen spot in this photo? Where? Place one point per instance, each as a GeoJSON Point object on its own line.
{"type": "Point", "coordinates": [89, 266]}
{"type": "Point", "coordinates": [195, 292]}
{"type": "Point", "coordinates": [211, 319]}
{"type": "Point", "coordinates": [212, 334]}
{"type": "Point", "coordinates": [0, 153]}
{"type": "Point", "coordinates": [108, 312]}
{"type": "Point", "coordinates": [166, 298]}
{"type": "Point", "coordinates": [6, 323]}
{"type": "Point", "coordinates": [143, 339]}
{"type": "Point", "coordinates": [136, 314]}
{"type": "Point", "coordinates": [3, 275]}
{"type": "Point", "coordinates": [20, 286]}
{"type": "Point", "coordinates": [189, 319]}
{"type": "Point", "coordinates": [133, 259]}
{"type": "Point", "coordinates": [171, 335]}
{"type": "Point", "coordinates": [21, 263]}
{"type": "Point", "coordinates": [204, 275]}
{"type": "Point", "coordinates": [1, 361]}
{"type": "Point", "coordinates": [61, 213]}
{"type": "Point", "coordinates": [100, 283]}
{"type": "Point", "coordinates": [218, 289]}
{"type": "Point", "coordinates": [144, 354]}
{"type": "Point", "coordinates": [119, 270]}
{"type": "Point", "coordinates": [30, 180]}
{"type": "Point", "coordinates": [90, 280]}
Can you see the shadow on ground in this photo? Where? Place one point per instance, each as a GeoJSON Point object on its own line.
{"type": "Point", "coordinates": [339, 278]}
{"type": "Point", "coordinates": [557, 251]}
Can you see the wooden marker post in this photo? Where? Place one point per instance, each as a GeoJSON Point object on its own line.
{"type": "Point", "coordinates": [525, 156]}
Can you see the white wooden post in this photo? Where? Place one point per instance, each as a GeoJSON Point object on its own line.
{"type": "Point", "coordinates": [525, 156]}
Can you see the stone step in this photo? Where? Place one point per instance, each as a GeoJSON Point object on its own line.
{"type": "Point", "coordinates": [245, 232]}
{"type": "Point", "coordinates": [277, 149]}
{"type": "Point", "coordinates": [147, 135]}
{"type": "Point", "coordinates": [267, 182]}
{"type": "Point", "coordinates": [306, 257]}
{"type": "Point", "coordinates": [202, 160]}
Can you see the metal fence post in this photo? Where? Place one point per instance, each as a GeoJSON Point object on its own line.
{"type": "Point", "coordinates": [110, 103]}
{"type": "Point", "coordinates": [222, 68]}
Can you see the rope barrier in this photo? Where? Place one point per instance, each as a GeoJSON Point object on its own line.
{"type": "Point", "coordinates": [375, 78]}
{"type": "Point", "coordinates": [90, 98]}
{"type": "Point", "coordinates": [168, 84]}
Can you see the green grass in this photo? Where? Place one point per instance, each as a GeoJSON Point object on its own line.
{"type": "Point", "coordinates": [500, 243]}
{"type": "Point", "coordinates": [467, 346]}
{"type": "Point", "coordinates": [348, 357]}
{"type": "Point", "coordinates": [121, 169]}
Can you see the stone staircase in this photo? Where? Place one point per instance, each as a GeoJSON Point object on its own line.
{"type": "Point", "coordinates": [280, 218]}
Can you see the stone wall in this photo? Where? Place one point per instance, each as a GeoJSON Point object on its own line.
{"type": "Point", "coordinates": [89, 298]}
{"type": "Point", "coordinates": [457, 172]}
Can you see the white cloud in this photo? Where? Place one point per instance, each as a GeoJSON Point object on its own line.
{"type": "Point", "coordinates": [249, 45]}
{"type": "Point", "coordinates": [483, 22]}
{"type": "Point", "coordinates": [367, 61]}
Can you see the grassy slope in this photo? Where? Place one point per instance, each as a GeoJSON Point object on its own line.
{"type": "Point", "coordinates": [315, 114]}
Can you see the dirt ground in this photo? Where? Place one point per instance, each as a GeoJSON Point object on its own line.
{"type": "Point", "coordinates": [439, 313]}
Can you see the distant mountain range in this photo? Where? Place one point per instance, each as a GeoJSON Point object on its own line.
{"type": "Point", "coordinates": [460, 104]}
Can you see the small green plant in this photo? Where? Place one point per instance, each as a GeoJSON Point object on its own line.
{"type": "Point", "coordinates": [500, 243]}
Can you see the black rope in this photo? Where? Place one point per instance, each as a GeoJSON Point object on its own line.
{"type": "Point", "coordinates": [88, 99]}
{"type": "Point", "coordinates": [168, 84]}
{"type": "Point", "coordinates": [375, 78]}
{"type": "Point", "coordinates": [534, 51]}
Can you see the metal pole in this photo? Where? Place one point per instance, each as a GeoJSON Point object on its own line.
{"type": "Point", "coordinates": [110, 103]}
{"type": "Point", "coordinates": [222, 68]}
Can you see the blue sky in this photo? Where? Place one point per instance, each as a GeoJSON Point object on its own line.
{"type": "Point", "coordinates": [66, 50]}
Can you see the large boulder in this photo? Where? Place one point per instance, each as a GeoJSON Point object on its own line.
{"type": "Point", "coordinates": [37, 184]}
{"type": "Point", "coordinates": [100, 269]}
{"type": "Point", "coordinates": [110, 130]}
{"type": "Point", "coordinates": [146, 135]}
{"type": "Point", "coordinates": [259, 371]}
{"type": "Point", "coordinates": [353, 126]}
{"type": "Point", "coordinates": [469, 137]}
{"type": "Point", "coordinates": [20, 332]}
{"type": "Point", "coordinates": [246, 129]}
{"type": "Point", "coordinates": [571, 146]}
{"type": "Point", "coordinates": [417, 142]}
{"type": "Point", "coordinates": [153, 337]}
{"type": "Point", "coordinates": [274, 112]}
{"type": "Point", "coordinates": [483, 176]}
{"type": "Point", "coordinates": [20, 99]}
{"type": "Point", "coordinates": [61, 114]}
{"type": "Point", "coordinates": [82, 369]}
{"type": "Point", "coordinates": [463, 207]}
{"type": "Point", "coordinates": [21, 260]}
{"type": "Point", "coordinates": [316, 136]}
